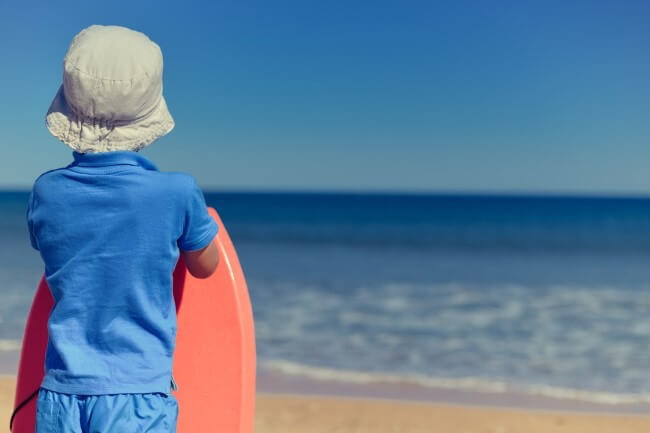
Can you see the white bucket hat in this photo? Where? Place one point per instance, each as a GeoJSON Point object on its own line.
{"type": "Point", "coordinates": [111, 96]}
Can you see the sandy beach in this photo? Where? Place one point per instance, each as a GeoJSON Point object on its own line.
{"type": "Point", "coordinates": [277, 413]}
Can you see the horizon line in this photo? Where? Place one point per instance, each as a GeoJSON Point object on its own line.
{"type": "Point", "coordinates": [408, 192]}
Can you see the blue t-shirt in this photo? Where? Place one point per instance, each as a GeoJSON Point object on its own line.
{"type": "Point", "coordinates": [109, 227]}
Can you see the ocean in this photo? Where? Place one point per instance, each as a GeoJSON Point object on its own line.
{"type": "Point", "coordinates": [541, 295]}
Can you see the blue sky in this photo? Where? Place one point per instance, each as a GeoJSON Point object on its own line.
{"type": "Point", "coordinates": [508, 96]}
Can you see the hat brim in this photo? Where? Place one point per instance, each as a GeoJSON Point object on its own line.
{"type": "Point", "coordinates": [90, 136]}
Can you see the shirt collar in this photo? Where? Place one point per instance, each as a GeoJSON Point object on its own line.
{"type": "Point", "coordinates": [107, 159]}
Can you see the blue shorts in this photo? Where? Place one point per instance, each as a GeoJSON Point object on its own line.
{"type": "Point", "coordinates": [111, 413]}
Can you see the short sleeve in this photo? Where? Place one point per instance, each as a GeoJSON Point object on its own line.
{"type": "Point", "coordinates": [30, 221]}
{"type": "Point", "coordinates": [199, 228]}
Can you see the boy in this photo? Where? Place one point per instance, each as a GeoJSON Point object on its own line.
{"type": "Point", "coordinates": [109, 228]}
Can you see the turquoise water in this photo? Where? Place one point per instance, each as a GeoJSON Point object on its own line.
{"type": "Point", "coordinates": [538, 294]}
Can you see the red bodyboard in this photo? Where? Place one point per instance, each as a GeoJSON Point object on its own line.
{"type": "Point", "coordinates": [214, 360]}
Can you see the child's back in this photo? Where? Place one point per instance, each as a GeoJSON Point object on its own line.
{"type": "Point", "coordinates": [109, 228]}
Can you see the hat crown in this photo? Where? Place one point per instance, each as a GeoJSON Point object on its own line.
{"type": "Point", "coordinates": [112, 73]}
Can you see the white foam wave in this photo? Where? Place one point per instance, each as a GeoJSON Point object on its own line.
{"type": "Point", "coordinates": [10, 345]}
{"type": "Point", "coordinates": [464, 384]}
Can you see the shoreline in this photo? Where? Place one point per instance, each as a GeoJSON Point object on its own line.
{"type": "Point", "coordinates": [299, 413]}
{"type": "Point", "coordinates": [271, 381]}
{"type": "Point", "coordinates": [445, 404]}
